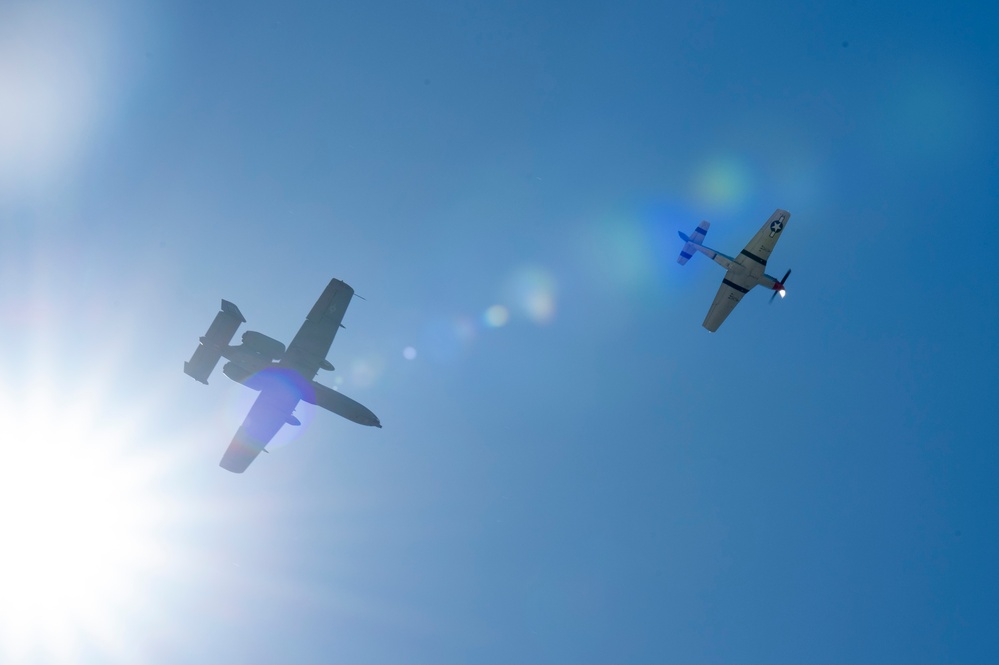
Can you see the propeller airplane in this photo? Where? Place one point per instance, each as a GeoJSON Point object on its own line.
{"type": "Point", "coordinates": [743, 272]}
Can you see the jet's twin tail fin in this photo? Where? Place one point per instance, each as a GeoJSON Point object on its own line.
{"type": "Point", "coordinates": [695, 238]}
{"type": "Point", "coordinates": [214, 342]}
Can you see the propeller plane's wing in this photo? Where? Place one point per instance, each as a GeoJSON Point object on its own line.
{"type": "Point", "coordinates": [759, 248]}
{"type": "Point", "coordinates": [728, 296]}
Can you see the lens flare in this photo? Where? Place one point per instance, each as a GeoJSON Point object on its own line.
{"type": "Point", "coordinates": [723, 183]}
{"type": "Point", "coordinates": [619, 253]}
{"type": "Point", "coordinates": [496, 316]}
{"type": "Point", "coordinates": [533, 290]}
{"type": "Point", "coordinates": [445, 339]}
{"type": "Point", "coordinates": [366, 371]}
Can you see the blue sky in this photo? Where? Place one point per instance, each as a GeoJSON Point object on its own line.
{"type": "Point", "coordinates": [571, 469]}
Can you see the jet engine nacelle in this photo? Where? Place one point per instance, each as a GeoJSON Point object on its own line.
{"type": "Point", "coordinates": [268, 347]}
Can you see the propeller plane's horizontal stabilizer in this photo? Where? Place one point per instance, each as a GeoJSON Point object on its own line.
{"type": "Point", "coordinates": [219, 334]}
{"type": "Point", "coordinates": [695, 238]}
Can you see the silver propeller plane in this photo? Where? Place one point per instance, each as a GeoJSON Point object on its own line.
{"type": "Point", "coordinates": [742, 272]}
{"type": "Point", "coordinates": [282, 376]}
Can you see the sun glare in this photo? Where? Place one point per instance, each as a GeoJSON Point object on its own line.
{"type": "Point", "coordinates": [79, 518]}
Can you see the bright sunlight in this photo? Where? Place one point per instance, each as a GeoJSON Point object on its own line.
{"type": "Point", "coordinates": [81, 523]}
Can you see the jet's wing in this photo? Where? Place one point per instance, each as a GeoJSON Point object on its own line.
{"type": "Point", "coordinates": [307, 352]}
{"type": "Point", "coordinates": [759, 248]}
{"type": "Point", "coordinates": [729, 294]}
{"type": "Point", "coordinates": [271, 410]}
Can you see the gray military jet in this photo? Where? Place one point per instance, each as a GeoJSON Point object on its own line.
{"type": "Point", "coordinates": [283, 376]}
{"type": "Point", "coordinates": [744, 271]}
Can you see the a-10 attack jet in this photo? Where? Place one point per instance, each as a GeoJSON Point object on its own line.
{"type": "Point", "coordinates": [283, 376]}
{"type": "Point", "coordinates": [744, 271]}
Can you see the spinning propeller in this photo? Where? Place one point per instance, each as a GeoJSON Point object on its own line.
{"type": "Point", "coordinates": [779, 286]}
